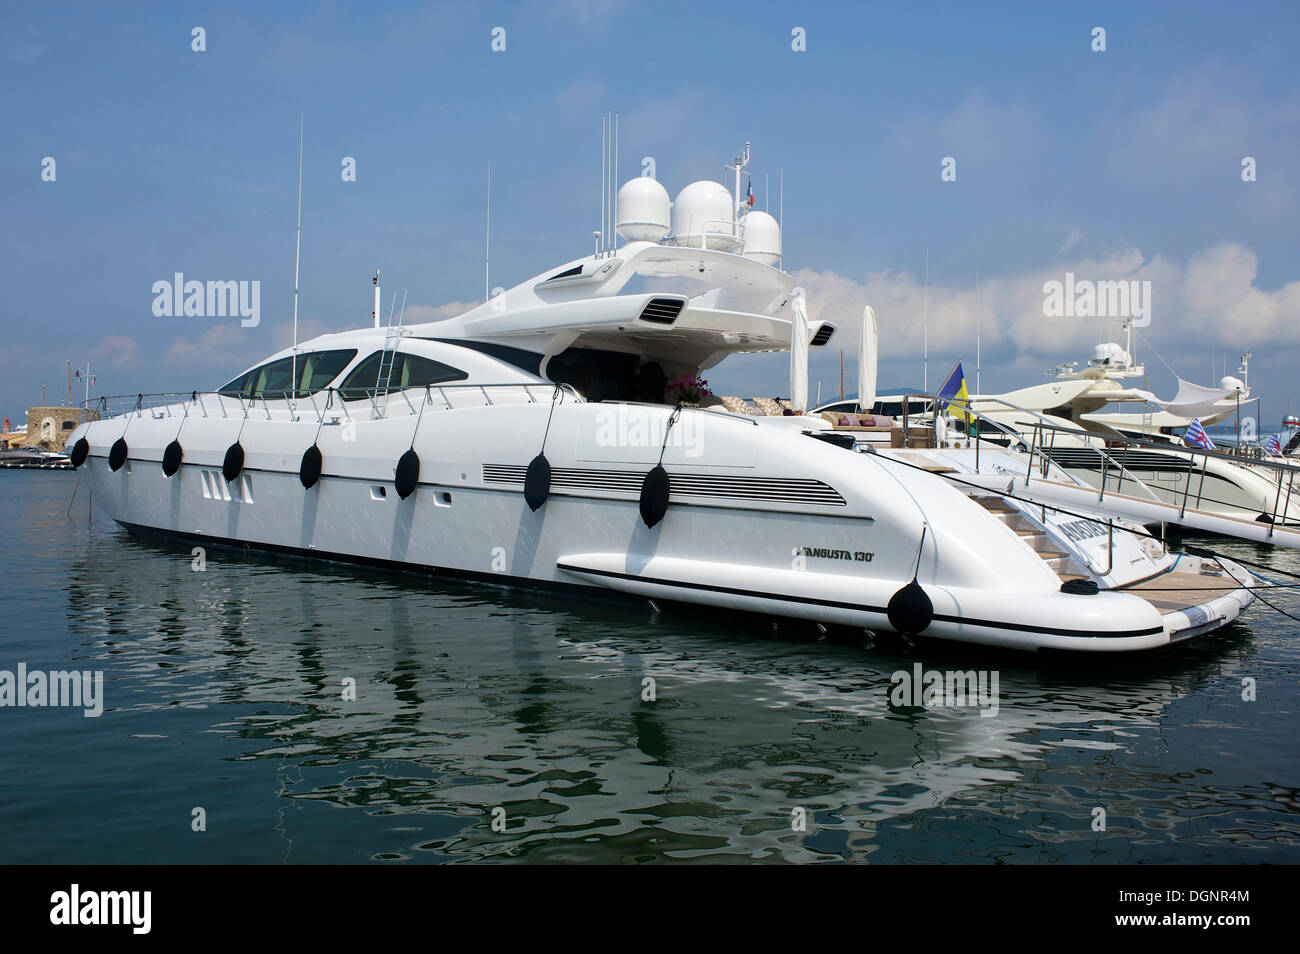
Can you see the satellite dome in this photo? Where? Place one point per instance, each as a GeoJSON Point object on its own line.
{"type": "Point", "coordinates": [1110, 353]}
{"type": "Point", "coordinates": [643, 210]}
{"type": "Point", "coordinates": [1229, 383]}
{"type": "Point", "coordinates": [705, 214]}
{"type": "Point", "coordinates": [762, 237]}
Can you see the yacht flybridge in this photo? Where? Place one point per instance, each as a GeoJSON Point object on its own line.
{"type": "Point", "coordinates": [533, 440]}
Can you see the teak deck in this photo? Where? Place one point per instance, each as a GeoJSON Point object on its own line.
{"type": "Point", "coordinates": [1180, 589]}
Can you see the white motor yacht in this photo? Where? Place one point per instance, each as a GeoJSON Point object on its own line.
{"type": "Point", "coordinates": [545, 438]}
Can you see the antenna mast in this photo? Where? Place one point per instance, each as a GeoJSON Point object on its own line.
{"type": "Point", "coordinates": [613, 185]}
{"type": "Point", "coordinates": [604, 191]}
{"type": "Point", "coordinates": [297, 253]}
{"type": "Point", "coordinates": [487, 242]}
{"type": "Point", "coordinates": [977, 331]}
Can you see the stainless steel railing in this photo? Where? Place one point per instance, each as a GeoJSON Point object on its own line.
{"type": "Point", "coordinates": [294, 405]}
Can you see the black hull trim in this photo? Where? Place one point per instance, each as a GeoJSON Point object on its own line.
{"type": "Point", "coordinates": [832, 604]}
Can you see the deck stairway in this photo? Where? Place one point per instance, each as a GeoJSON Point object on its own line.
{"type": "Point", "coordinates": [1031, 533]}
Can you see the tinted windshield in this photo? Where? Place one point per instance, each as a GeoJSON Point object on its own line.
{"type": "Point", "coordinates": [406, 371]}
{"type": "Point", "coordinates": [275, 378]}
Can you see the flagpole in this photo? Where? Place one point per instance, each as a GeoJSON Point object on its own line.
{"type": "Point", "coordinates": [297, 253]}
{"type": "Point", "coordinates": [925, 330]}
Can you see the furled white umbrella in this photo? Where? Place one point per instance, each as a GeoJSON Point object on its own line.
{"type": "Point", "coordinates": [867, 359]}
{"type": "Point", "coordinates": [799, 356]}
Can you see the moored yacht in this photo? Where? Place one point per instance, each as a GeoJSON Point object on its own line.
{"type": "Point", "coordinates": [1143, 450]}
{"type": "Point", "coordinates": [545, 438]}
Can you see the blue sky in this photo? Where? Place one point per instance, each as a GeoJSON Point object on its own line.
{"type": "Point", "coordinates": [1122, 164]}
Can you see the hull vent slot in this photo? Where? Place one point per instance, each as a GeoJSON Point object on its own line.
{"type": "Point", "coordinates": [662, 311]}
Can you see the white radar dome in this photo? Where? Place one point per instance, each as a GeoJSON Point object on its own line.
{"type": "Point", "coordinates": [705, 213]}
{"type": "Point", "coordinates": [1229, 383]}
{"type": "Point", "coordinates": [1110, 351]}
{"type": "Point", "coordinates": [643, 210]}
{"type": "Point", "coordinates": [762, 237]}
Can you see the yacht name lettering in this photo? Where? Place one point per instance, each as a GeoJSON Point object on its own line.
{"type": "Point", "coordinates": [824, 553]}
{"type": "Point", "coordinates": [1082, 529]}
{"type": "Point", "coordinates": [194, 299]}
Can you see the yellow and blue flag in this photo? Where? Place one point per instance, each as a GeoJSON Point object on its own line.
{"type": "Point", "coordinates": [953, 392]}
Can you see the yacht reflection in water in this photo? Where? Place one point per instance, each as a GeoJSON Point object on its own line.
{"type": "Point", "coordinates": [471, 699]}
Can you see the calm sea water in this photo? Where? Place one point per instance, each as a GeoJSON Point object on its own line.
{"type": "Point", "coordinates": [224, 691]}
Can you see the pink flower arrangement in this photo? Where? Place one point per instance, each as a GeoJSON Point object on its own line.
{"type": "Point", "coordinates": [687, 389]}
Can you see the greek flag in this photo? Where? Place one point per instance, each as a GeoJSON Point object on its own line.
{"type": "Point", "coordinates": [1195, 434]}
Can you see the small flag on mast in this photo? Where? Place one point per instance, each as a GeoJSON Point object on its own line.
{"type": "Point", "coordinates": [1195, 434]}
{"type": "Point", "coordinates": [953, 392]}
{"type": "Point", "coordinates": [749, 197]}
{"type": "Point", "coordinates": [1274, 446]}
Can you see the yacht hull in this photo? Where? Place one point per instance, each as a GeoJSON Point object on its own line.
{"type": "Point", "coordinates": [760, 518]}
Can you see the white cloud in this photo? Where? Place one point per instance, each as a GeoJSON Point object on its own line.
{"type": "Point", "coordinates": [1211, 301]}
{"type": "Point", "coordinates": [418, 313]}
{"type": "Point", "coordinates": [977, 131]}
{"type": "Point", "coordinates": [222, 346]}
{"type": "Point", "coordinates": [117, 351]}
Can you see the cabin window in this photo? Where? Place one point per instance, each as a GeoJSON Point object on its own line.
{"type": "Point", "coordinates": [274, 379]}
{"type": "Point", "coordinates": [407, 371]}
{"type": "Point", "coordinates": [527, 361]}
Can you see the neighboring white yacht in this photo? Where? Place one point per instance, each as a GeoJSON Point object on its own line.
{"type": "Point", "coordinates": [1140, 451]}
{"type": "Point", "coordinates": [533, 440]}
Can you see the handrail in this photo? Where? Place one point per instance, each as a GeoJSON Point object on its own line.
{"type": "Point", "coordinates": [1100, 442]}
{"type": "Point", "coordinates": [120, 405]}
{"type": "Point", "coordinates": [1189, 449]}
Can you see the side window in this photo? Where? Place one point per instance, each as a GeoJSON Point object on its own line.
{"type": "Point", "coordinates": [236, 387]}
{"type": "Point", "coordinates": [362, 380]}
{"type": "Point", "coordinates": [418, 371]}
{"type": "Point", "coordinates": [408, 371]}
{"type": "Point", "coordinates": [317, 370]}
{"type": "Point", "coordinates": [275, 379]}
